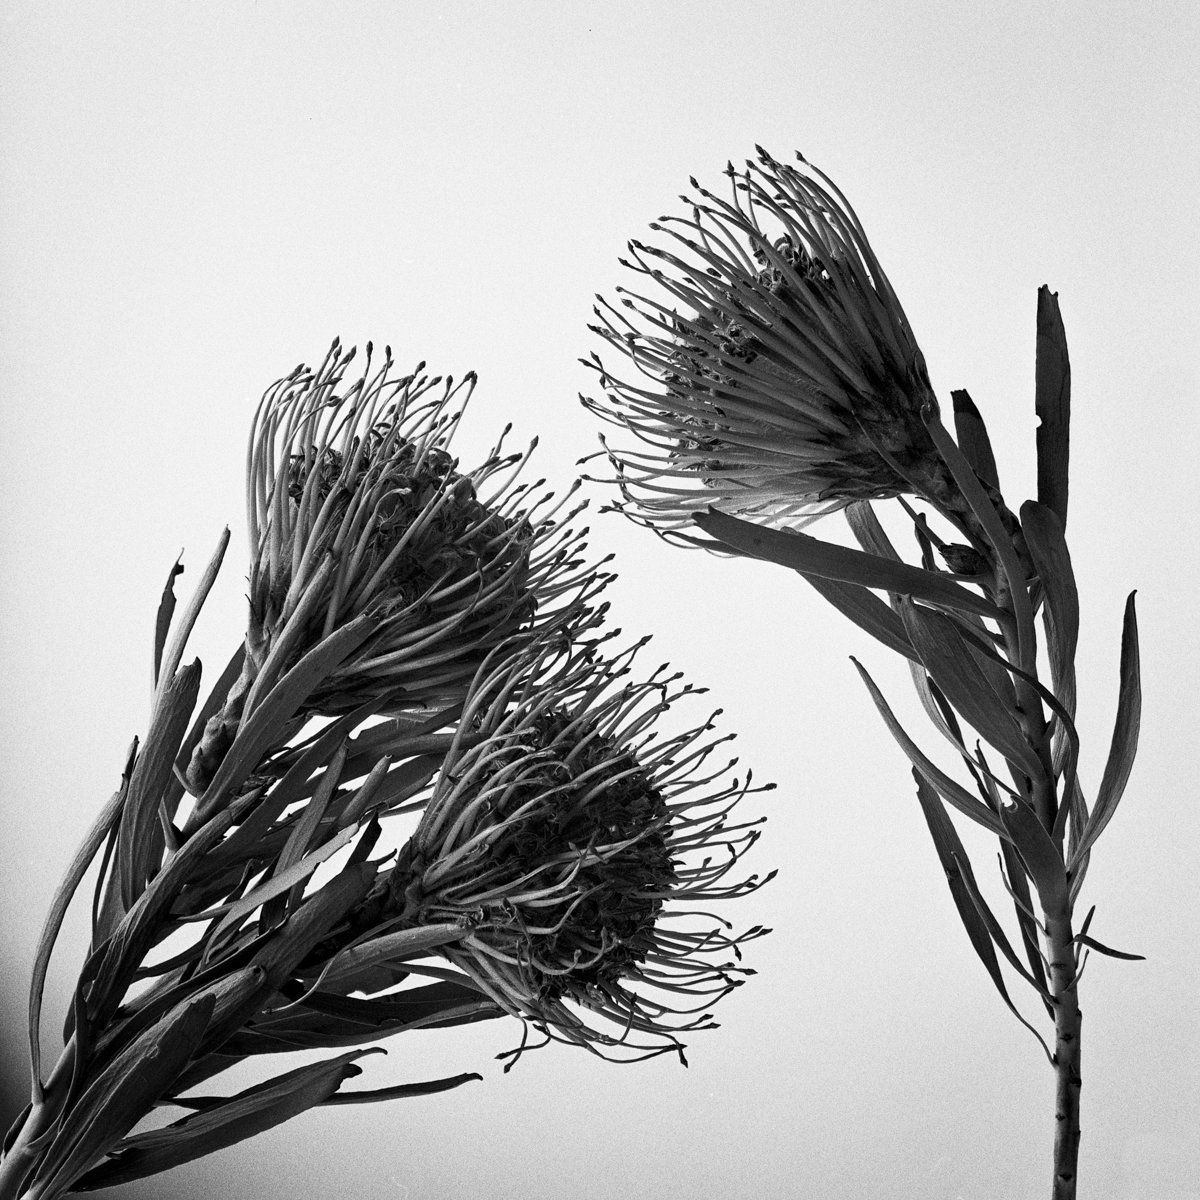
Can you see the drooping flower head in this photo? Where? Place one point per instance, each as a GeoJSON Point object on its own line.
{"type": "Point", "coordinates": [356, 506]}
{"type": "Point", "coordinates": [778, 376]}
{"type": "Point", "coordinates": [562, 841]}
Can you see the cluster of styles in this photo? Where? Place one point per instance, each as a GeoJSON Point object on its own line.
{"type": "Point", "coordinates": [777, 379]}
{"type": "Point", "coordinates": [425, 791]}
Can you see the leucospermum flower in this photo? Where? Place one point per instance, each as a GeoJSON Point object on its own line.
{"type": "Point", "coordinates": [355, 505]}
{"type": "Point", "coordinates": [778, 377]}
{"type": "Point", "coordinates": [561, 843]}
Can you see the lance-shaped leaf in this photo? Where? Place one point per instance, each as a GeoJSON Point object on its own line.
{"type": "Point", "coordinates": [278, 707]}
{"type": "Point", "coordinates": [112, 965]}
{"type": "Point", "coordinates": [1125, 737]}
{"type": "Point", "coordinates": [162, 621]}
{"type": "Point", "coordinates": [982, 927]}
{"type": "Point", "coordinates": [1001, 540]}
{"type": "Point", "coordinates": [443, 1002]}
{"type": "Point", "coordinates": [225, 1122]}
{"type": "Point", "coordinates": [1084, 938]}
{"type": "Point", "coordinates": [172, 656]}
{"type": "Point", "coordinates": [1018, 888]}
{"type": "Point", "coordinates": [1048, 548]}
{"type": "Point", "coordinates": [140, 842]}
{"type": "Point", "coordinates": [867, 611]}
{"type": "Point", "coordinates": [973, 440]}
{"type": "Point", "coordinates": [122, 1094]}
{"type": "Point", "coordinates": [954, 793]}
{"type": "Point", "coordinates": [107, 818]}
{"type": "Point", "coordinates": [323, 1020]}
{"type": "Point", "coordinates": [404, 1091]}
{"type": "Point", "coordinates": [1052, 401]}
{"type": "Point", "coordinates": [1041, 857]}
{"type": "Point", "coordinates": [952, 664]}
{"type": "Point", "coordinates": [390, 947]}
{"type": "Point", "coordinates": [810, 556]}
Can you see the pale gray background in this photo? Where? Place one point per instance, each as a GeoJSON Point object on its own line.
{"type": "Point", "coordinates": [196, 197]}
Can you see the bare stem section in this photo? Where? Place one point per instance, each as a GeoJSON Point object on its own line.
{"type": "Point", "coordinates": [1068, 1024]}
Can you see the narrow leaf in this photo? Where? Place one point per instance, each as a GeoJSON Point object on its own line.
{"type": "Point", "coordinates": [233, 912]}
{"type": "Point", "coordinates": [224, 1123]}
{"type": "Point", "coordinates": [967, 897]}
{"type": "Point", "coordinates": [173, 655]}
{"type": "Point", "coordinates": [1039, 853]}
{"type": "Point", "coordinates": [953, 792]}
{"type": "Point", "coordinates": [278, 707]}
{"type": "Point", "coordinates": [984, 508]}
{"type": "Point", "coordinates": [166, 609]}
{"type": "Point", "coordinates": [140, 843]}
{"type": "Point", "coordinates": [1052, 560]}
{"type": "Point", "coordinates": [402, 1091]}
{"type": "Point", "coordinates": [973, 440]}
{"type": "Point", "coordinates": [868, 531]}
{"type": "Point", "coordinates": [810, 556]}
{"type": "Point", "coordinates": [952, 664]}
{"type": "Point", "coordinates": [1018, 883]}
{"type": "Point", "coordinates": [390, 947]}
{"type": "Point", "coordinates": [1125, 736]}
{"type": "Point", "coordinates": [123, 1093]}
{"type": "Point", "coordinates": [867, 611]}
{"type": "Point", "coordinates": [108, 816]}
{"type": "Point", "coordinates": [1101, 948]}
{"type": "Point", "coordinates": [1052, 402]}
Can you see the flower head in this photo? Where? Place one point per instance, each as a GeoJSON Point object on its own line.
{"type": "Point", "coordinates": [560, 841]}
{"type": "Point", "coordinates": [357, 508]}
{"type": "Point", "coordinates": [779, 377]}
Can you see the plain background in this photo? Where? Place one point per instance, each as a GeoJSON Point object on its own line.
{"type": "Point", "coordinates": [197, 197]}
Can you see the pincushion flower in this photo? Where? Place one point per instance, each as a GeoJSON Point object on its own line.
{"type": "Point", "coordinates": [355, 505]}
{"type": "Point", "coordinates": [559, 843]}
{"type": "Point", "coordinates": [778, 378]}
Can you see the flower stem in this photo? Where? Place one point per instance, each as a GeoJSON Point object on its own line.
{"type": "Point", "coordinates": [1067, 1029]}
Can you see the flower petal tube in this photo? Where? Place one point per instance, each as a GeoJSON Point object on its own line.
{"type": "Point", "coordinates": [776, 374]}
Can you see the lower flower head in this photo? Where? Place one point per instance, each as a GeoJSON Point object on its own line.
{"type": "Point", "coordinates": [778, 377]}
{"type": "Point", "coordinates": [561, 841]}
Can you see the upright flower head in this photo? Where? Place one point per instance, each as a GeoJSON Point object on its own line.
{"type": "Point", "coordinates": [560, 841]}
{"type": "Point", "coordinates": [357, 508]}
{"type": "Point", "coordinates": [779, 377]}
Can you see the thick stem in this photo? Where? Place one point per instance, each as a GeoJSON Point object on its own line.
{"type": "Point", "coordinates": [1067, 1029]}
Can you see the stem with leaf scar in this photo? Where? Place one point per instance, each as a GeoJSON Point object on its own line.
{"type": "Point", "coordinates": [1060, 942]}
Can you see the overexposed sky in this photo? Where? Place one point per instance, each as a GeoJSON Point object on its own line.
{"type": "Point", "coordinates": [197, 197]}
